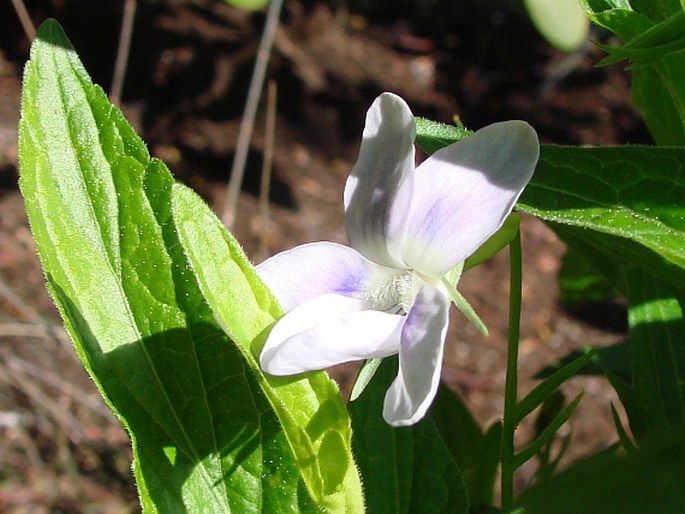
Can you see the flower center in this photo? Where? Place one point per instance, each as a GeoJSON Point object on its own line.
{"type": "Point", "coordinates": [391, 293]}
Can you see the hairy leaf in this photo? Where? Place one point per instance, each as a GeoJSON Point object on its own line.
{"type": "Point", "coordinates": [205, 435]}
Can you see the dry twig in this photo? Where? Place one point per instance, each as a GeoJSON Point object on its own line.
{"type": "Point", "coordinates": [24, 19]}
{"type": "Point", "coordinates": [247, 122]}
{"type": "Point", "coordinates": [123, 51]}
{"type": "Point", "coordinates": [267, 163]}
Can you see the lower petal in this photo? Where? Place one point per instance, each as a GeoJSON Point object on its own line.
{"type": "Point", "coordinates": [420, 362]}
{"type": "Point", "coordinates": [328, 330]}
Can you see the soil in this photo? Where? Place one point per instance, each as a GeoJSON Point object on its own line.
{"type": "Point", "coordinates": [190, 64]}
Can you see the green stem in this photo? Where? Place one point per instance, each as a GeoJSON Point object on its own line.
{"type": "Point", "coordinates": [511, 385]}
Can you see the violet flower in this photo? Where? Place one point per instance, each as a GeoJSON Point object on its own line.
{"type": "Point", "coordinates": [408, 228]}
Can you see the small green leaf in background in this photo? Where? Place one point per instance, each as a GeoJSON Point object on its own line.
{"type": "Point", "coordinates": [580, 283]}
{"type": "Point", "coordinates": [210, 433]}
{"type": "Point", "coordinates": [248, 5]}
{"type": "Point", "coordinates": [561, 22]}
{"type": "Point", "coordinates": [659, 82]}
{"type": "Point", "coordinates": [404, 470]}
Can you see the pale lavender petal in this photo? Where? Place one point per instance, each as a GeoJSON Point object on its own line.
{"type": "Point", "coordinates": [420, 362]}
{"type": "Point", "coordinates": [329, 330]}
{"type": "Point", "coordinates": [386, 156]}
{"type": "Point", "coordinates": [464, 192]}
{"type": "Point", "coordinates": [310, 270]}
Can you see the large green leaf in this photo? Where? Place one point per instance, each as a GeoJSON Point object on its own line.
{"type": "Point", "coordinates": [405, 470]}
{"type": "Point", "coordinates": [621, 204]}
{"type": "Point", "coordinates": [206, 437]}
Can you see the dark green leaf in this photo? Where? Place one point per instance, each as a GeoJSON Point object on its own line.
{"type": "Point", "coordinates": [647, 482]}
{"type": "Point", "coordinates": [549, 385]}
{"type": "Point", "coordinates": [657, 334]}
{"type": "Point", "coordinates": [404, 470]}
{"type": "Point", "coordinates": [580, 283]}
{"type": "Point", "coordinates": [615, 358]}
{"type": "Point", "coordinates": [547, 433]}
{"type": "Point", "coordinates": [476, 453]}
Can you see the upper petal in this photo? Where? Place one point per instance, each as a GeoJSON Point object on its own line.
{"type": "Point", "coordinates": [462, 194]}
{"type": "Point", "coordinates": [421, 350]}
{"type": "Point", "coordinates": [310, 270]}
{"type": "Point", "coordinates": [386, 156]}
{"type": "Point", "coordinates": [329, 330]}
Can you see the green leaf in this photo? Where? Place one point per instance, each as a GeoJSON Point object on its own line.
{"type": "Point", "coordinates": [496, 242]}
{"type": "Point", "coordinates": [431, 135]}
{"type": "Point", "coordinates": [661, 39]}
{"type": "Point", "coordinates": [652, 32]}
{"type": "Point", "coordinates": [548, 433]}
{"type": "Point", "coordinates": [476, 453]}
{"type": "Point", "coordinates": [549, 385]}
{"type": "Point", "coordinates": [205, 438]}
{"type": "Point", "coordinates": [310, 410]}
{"type": "Point", "coordinates": [562, 23]}
{"type": "Point", "coordinates": [366, 373]}
{"type": "Point", "coordinates": [657, 331]}
{"type": "Point", "coordinates": [404, 470]}
{"type": "Point", "coordinates": [616, 205]}
{"type": "Point", "coordinates": [649, 480]}
{"type": "Point", "coordinates": [615, 359]}
{"type": "Point", "coordinates": [580, 283]}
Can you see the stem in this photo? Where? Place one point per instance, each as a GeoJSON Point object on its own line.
{"type": "Point", "coordinates": [511, 384]}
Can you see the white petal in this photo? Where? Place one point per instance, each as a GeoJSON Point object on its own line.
{"type": "Point", "coordinates": [421, 350]}
{"type": "Point", "coordinates": [386, 156]}
{"type": "Point", "coordinates": [310, 270]}
{"type": "Point", "coordinates": [329, 330]}
{"type": "Point", "coordinates": [464, 192]}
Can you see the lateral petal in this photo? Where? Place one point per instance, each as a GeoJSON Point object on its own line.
{"type": "Point", "coordinates": [310, 270]}
{"type": "Point", "coordinates": [463, 193]}
{"type": "Point", "coordinates": [329, 330]}
{"type": "Point", "coordinates": [420, 362]}
{"type": "Point", "coordinates": [386, 156]}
